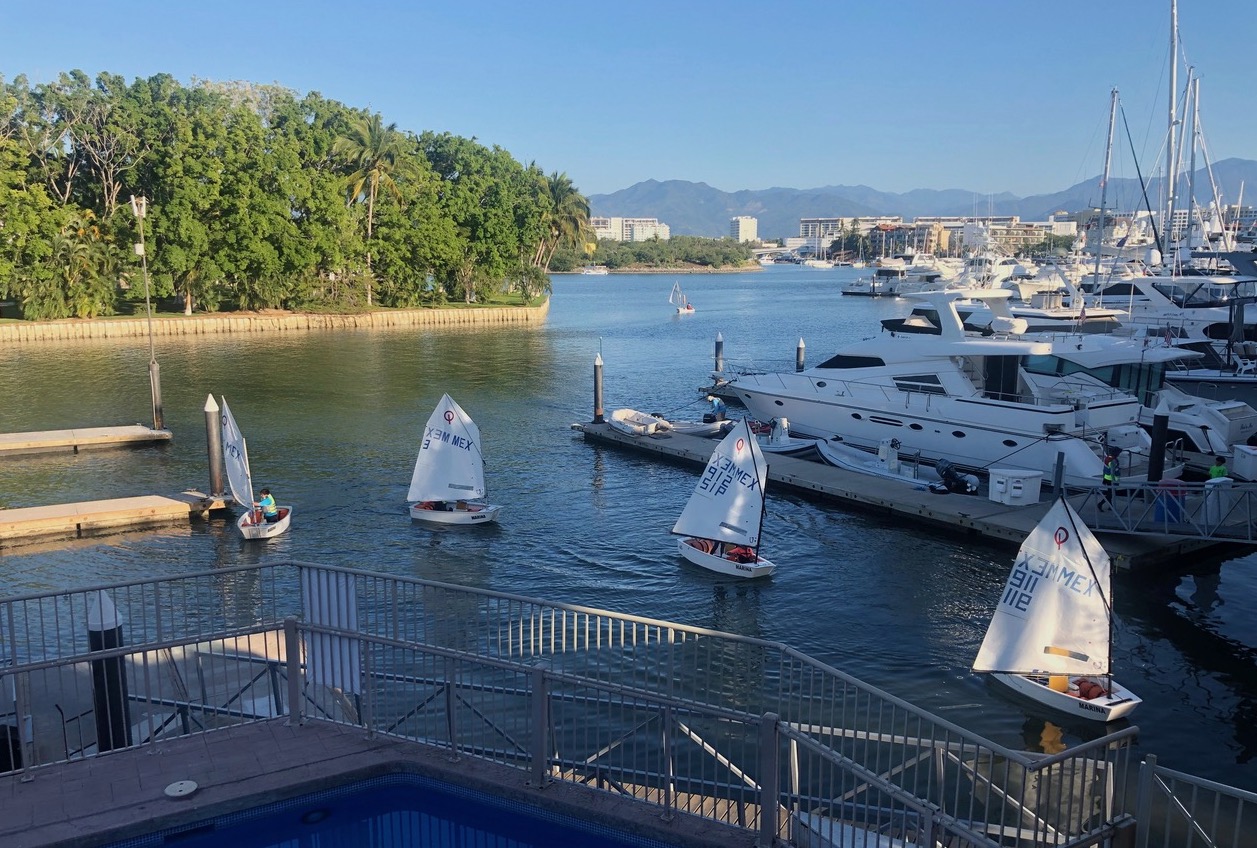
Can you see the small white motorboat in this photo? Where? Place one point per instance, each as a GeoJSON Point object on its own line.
{"type": "Point", "coordinates": [888, 465]}
{"type": "Point", "coordinates": [637, 423]}
{"type": "Point", "coordinates": [778, 440]}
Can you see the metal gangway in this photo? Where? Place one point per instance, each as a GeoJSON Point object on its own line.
{"type": "Point", "coordinates": [1222, 510]}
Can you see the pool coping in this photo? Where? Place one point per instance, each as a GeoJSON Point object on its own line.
{"type": "Point", "coordinates": [121, 795]}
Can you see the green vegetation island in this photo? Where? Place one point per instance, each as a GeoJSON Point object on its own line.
{"type": "Point", "coordinates": [237, 197]}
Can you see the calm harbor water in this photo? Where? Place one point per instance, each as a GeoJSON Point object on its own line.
{"type": "Point", "coordinates": [333, 421]}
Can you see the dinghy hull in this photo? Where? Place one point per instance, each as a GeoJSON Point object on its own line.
{"type": "Point", "coordinates": [1119, 704]}
{"type": "Point", "coordinates": [253, 526]}
{"type": "Point", "coordinates": [458, 514]}
{"type": "Point", "coordinates": [759, 568]}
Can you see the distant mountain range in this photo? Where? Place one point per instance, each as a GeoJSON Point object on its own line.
{"type": "Point", "coordinates": [697, 209]}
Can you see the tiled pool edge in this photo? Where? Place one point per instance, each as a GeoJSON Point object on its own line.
{"type": "Point", "coordinates": [96, 802]}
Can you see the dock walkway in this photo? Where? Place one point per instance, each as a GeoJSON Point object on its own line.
{"type": "Point", "coordinates": [964, 513]}
{"type": "Point", "coordinates": [84, 438]}
{"type": "Point", "coordinates": [89, 518]}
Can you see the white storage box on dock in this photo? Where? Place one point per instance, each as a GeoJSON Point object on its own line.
{"type": "Point", "coordinates": [1244, 464]}
{"type": "Point", "coordinates": [1015, 486]}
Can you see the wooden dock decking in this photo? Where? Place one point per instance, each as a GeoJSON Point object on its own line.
{"type": "Point", "coordinates": [89, 518]}
{"type": "Point", "coordinates": [84, 438]}
{"type": "Point", "coordinates": [972, 514]}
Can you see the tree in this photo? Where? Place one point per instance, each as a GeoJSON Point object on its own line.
{"type": "Point", "coordinates": [567, 219]}
{"type": "Point", "coordinates": [374, 151]}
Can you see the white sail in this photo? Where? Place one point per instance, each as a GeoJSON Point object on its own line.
{"type": "Point", "coordinates": [1054, 614]}
{"type": "Point", "coordinates": [728, 503]}
{"type": "Point", "coordinates": [236, 458]}
{"type": "Point", "coordinates": [450, 466]}
{"type": "Point", "coordinates": [677, 298]}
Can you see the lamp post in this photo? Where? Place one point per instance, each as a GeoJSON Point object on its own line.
{"type": "Point", "coordinates": [139, 206]}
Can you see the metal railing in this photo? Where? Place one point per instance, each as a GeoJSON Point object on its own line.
{"type": "Point", "coordinates": [734, 729]}
{"type": "Point", "coordinates": [1183, 811]}
{"type": "Point", "coordinates": [1220, 511]}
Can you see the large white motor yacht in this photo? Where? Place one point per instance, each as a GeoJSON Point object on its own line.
{"type": "Point", "coordinates": [1000, 400]}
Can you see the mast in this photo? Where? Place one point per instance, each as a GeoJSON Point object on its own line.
{"type": "Point", "coordinates": [1104, 182]}
{"type": "Point", "coordinates": [763, 494]}
{"type": "Point", "coordinates": [1194, 213]}
{"type": "Point", "coordinates": [1170, 175]}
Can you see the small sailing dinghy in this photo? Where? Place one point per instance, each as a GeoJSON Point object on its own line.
{"type": "Point", "coordinates": [720, 525]}
{"type": "Point", "coordinates": [1051, 635]}
{"type": "Point", "coordinates": [448, 481]}
{"type": "Point", "coordinates": [678, 299]}
{"type": "Point", "coordinates": [253, 525]}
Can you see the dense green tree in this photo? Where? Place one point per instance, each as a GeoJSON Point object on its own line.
{"type": "Point", "coordinates": [246, 188]}
{"type": "Point", "coordinates": [375, 155]}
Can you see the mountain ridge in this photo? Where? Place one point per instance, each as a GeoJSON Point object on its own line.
{"type": "Point", "coordinates": [698, 209]}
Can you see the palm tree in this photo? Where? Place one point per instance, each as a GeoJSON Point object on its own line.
{"type": "Point", "coordinates": [376, 154]}
{"type": "Point", "coordinates": [568, 217]}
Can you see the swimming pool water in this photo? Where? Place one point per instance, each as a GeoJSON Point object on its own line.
{"type": "Point", "coordinates": [394, 811]}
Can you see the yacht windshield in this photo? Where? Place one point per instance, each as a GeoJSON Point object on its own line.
{"type": "Point", "coordinates": [1140, 379]}
{"type": "Point", "coordinates": [1192, 294]}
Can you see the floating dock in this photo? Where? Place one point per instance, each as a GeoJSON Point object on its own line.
{"type": "Point", "coordinates": [26, 525]}
{"type": "Point", "coordinates": [85, 438]}
{"type": "Point", "coordinates": [972, 514]}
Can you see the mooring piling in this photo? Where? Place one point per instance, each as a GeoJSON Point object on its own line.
{"type": "Point", "coordinates": [214, 445]}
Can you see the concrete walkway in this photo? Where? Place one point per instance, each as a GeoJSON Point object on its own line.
{"type": "Point", "coordinates": [83, 438]}
{"type": "Point", "coordinates": [116, 796]}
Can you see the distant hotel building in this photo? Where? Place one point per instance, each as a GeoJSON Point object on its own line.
{"type": "Point", "coordinates": [744, 228]}
{"type": "Point", "coordinates": [629, 229]}
{"type": "Point", "coordinates": [941, 234]}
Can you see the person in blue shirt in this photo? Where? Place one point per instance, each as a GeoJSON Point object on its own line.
{"type": "Point", "coordinates": [267, 504]}
{"type": "Point", "coordinates": [717, 408]}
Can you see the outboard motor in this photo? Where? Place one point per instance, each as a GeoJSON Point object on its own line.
{"type": "Point", "coordinates": [888, 452]}
{"type": "Point", "coordinates": [780, 432]}
{"type": "Point", "coordinates": [954, 480]}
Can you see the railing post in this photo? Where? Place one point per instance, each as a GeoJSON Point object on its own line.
{"type": "Point", "coordinates": [25, 724]}
{"type": "Point", "coordinates": [1143, 799]}
{"type": "Point", "coordinates": [451, 703]}
{"type": "Point", "coordinates": [669, 765]}
{"type": "Point", "coordinates": [540, 729]}
{"type": "Point", "coordinates": [368, 701]}
{"type": "Point", "coordinates": [769, 770]}
{"type": "Point", "coordinates": [292, 658]}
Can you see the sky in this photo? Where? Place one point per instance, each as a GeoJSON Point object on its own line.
{"type": "Point", "coordinates": [988, 96]}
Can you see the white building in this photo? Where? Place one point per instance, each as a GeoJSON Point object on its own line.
{"type": "Point", "coordinates": [744, 228]}
{"type": "Point", "coordinates": [630, 229]}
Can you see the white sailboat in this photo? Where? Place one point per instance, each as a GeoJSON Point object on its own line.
{"type": "Point", "coordinates": [252, 524]}
{"type": "Point", "coordinates": [678, 299]}
{"type": "Point", "coordinates": [720, 525]}
{"type": "Point", "coordinates": [448, 480]}
{"type": "Point", "coordinates": [1050, 637]}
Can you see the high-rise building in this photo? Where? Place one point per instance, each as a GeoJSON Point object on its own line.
{"type": "Point", "coordinates": [629, 229]}
{"type": "Point", "coordinates": [744, 228]}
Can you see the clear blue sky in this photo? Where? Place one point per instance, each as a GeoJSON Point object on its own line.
{"type": "Point", "coordinates": [984, 95]}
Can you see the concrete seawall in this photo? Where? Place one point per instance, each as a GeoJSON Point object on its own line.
{"type": "Point", "coordinates": [184, 325]}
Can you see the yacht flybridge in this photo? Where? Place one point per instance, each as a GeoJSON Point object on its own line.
{"type": "Point", "coordinates": [1000, 400]}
